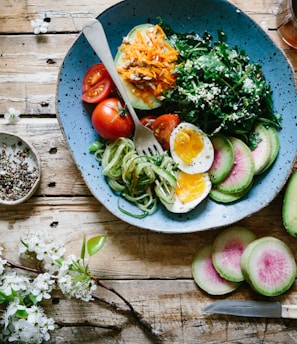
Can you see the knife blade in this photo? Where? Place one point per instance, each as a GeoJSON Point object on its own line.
{"type": "Point", "coordinates": [261, 309]}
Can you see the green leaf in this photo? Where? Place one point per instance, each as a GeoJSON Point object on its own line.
{"type": "Point", "coordinates": [24, 243]}
{"type": "Point", "coordinates": [32, 299]}
{"type": "Point", "coordinates": [83, 248]}
{"type": "Point", "coordinates": [4, 298]}
{"type": "Point", "coordinates": [79, 278]}
{"type": "Point", "coordinates": [59, 261]}
{"type": "Point", "coordinates": [95, 244]}
{"type": "Point", "coordinates": [21, 313]}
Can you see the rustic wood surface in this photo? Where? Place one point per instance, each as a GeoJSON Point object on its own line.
{"type": "Point", "coordinates": [153, 271]}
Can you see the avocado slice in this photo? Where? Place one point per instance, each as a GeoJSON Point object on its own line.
{"type": "Point", "coordinates": [137, 102]}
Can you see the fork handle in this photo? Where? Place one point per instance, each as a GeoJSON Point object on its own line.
{"type": "Point", "coordinates": [94, 32]}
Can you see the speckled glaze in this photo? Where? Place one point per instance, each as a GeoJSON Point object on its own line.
{"type": "Point", "coordinates": [186, 15]}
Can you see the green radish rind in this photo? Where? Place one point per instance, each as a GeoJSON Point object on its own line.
{"type": "Point", "coordinates": [269, 266]}
{"type": "Point", "coordinates": [275, 145]}
{"type": "Point", "coordinates": [222, 197]}
{"type": "Point", "coordinates": [227, 250]}
{"type": "Point", "coordinates": [223, 158]}
{"type": "Point", "coordinates": [262, 152]}
{"type": "Point", "coordinates": [242, 173]}
{"type": "Point", "coordinates": [289, 211]}
{"type": "Point", "coordinates": [205, 275]}
{"type": "Point", "coordinates": [137, 102]}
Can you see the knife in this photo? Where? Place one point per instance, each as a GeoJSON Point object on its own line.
{"type": "Point", "coordinates": [261, 309]}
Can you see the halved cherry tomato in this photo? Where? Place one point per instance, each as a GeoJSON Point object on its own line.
{"type": "Point", "coordinates": [111, 120]}
{"type": "Point", "coordinates": [148, 121]}
{"type": "Point", "coordinates": [95, 74]}
{"type": "Point", "coordinates": [98, 92]}
{"type": "Point", "coordinates": [163, 127]}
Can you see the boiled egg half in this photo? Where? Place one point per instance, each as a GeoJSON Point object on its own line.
{"type": "Point", "coordinates": [191, 148]}
{"type": "Point", "coordinates": [191, 189]}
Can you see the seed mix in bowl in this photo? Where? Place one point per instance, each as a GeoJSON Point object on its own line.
{"type": "Point", "coordinates": [19, 169]}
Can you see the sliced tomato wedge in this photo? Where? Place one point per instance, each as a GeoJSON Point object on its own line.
{"type": "Point", "coordinates": [163, 127]}
{"type": "Point", "coordinates": [148, 121]}
{"type": "Point", "coordinates": [95, 74]}
{"type": "Point", "coordinates": [98, 92]}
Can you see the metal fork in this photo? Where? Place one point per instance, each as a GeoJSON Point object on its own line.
{"type": "Point", "coordinates": [144, 138]}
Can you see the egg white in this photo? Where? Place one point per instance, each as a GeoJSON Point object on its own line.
{"type": "Point", "coordinates": [179, 206]}
{"type": "Point", "coordinates": [203, 160]}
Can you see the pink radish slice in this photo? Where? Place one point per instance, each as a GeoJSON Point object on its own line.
{"type": "Point", "coordinates": [206, 276]}
{"type": "Point", "coordinates": [269, 266]}
{"type": "Point", "coordinates": [227, 250]}
{"type": "Point", "coordinates": [243, 169]}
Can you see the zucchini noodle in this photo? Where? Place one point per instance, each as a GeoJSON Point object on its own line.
{"type": "Point", "coordinates": [140, 179]}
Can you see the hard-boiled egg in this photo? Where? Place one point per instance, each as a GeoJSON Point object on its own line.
{"type": "Point", "coordinates": [191, 148]}
{"type": "Point", "coordinates": [190, 191]}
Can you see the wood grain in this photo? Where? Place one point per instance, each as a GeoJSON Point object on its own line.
{"type": "Point", "coordinates": [152, 270]}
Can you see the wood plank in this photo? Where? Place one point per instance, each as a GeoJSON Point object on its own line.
{"type": "Point", "coordinates": [130, 252]}
{"type": "Point", "coordinates": [29, 71]}
{"type": "Point", "coordinates": [65, 16]}
{"type": "Point", "coordinates": [174, 309]}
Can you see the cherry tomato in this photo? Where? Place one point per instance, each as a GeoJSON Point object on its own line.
{"type": "Point", "coordinates": [95, 74]}
{"type": "Point", "coordinates": [148, 121]}
{"type": "Point", "coordinates": [98, 92]}
{"type": "Point", "coordinates": [163, 127]}
{"type": "Point", "coordinates": [111, 120]}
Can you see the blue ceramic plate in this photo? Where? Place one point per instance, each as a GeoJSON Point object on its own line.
{"type": "Point", "coordinates": [186, 15]}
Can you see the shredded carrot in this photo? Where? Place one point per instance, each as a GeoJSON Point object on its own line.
{"type": "Point", "coordinates": [148, 63]}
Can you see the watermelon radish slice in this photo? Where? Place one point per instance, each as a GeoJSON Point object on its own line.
{"type": "Point", "coordinates": [223, 158]}
{"type": "Point", "coordinates": [222, 197]}
{"type": "Point", "coordinates": [262, 152]}
{"type": "Point", "coordinates": [269, 266]}
{"type": "Point", "coordinates": [243, 169]}
{"type": "Point", "coordinates": [205, 275]}
{"type": "Point", "coordinates": [227, 250]}
{"type": "Point", "coordinates": [274, 144]}
{"type": "Point", "coordinates": [289, 212]}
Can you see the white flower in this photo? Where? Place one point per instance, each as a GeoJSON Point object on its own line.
{"type": "Point", "coordinates": [73, 281]}
{"type": "Point", "coordinates": [12, 308]}
{"type": "Point", "coordinates": [12, 281]}
{"type": "Point", "coordinates": [2, 262]}
{"type": "Point", "coordinates": [39, 26]}
{"type": "Point", "coordinates": [12, 116]}
{"type": "Point", "coordinates": [45, 249]}
{"type": "Point", "coordinates": [33, 328]}
{"type": "Point", "coordinates": [42, 286]}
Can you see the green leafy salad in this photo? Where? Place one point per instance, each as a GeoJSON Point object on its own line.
{"type": "Point", "coordinates": [217, 88]}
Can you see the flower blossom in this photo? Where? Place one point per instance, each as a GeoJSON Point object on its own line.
{"type": "Point", "coordinates": [42, 286]}
{"type": "Point", "coordinates": [12, 116]}
{"type": "Point", "coordinates": [45, 249]}
{"type": "Point", "coordinates": [73, 281]}
{"type": "Point", "coordinates": [2, 262]}
{"type": "Point", "coordinates": [39, 26]}
{"type": "Point", "coordinates": [34, 328]}
{"type": "Point", "coordinates": [12, 282]}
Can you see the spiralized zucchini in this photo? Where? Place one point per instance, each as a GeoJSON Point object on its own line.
{"type": "Point", "coordinates": [140, 179]}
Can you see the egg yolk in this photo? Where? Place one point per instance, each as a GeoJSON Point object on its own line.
{"type": "Point", "coordinates": [188, 144]}
{"type": "Point", "coordinates": [190, 186]}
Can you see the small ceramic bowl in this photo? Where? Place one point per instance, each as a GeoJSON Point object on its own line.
{"type": "Point", "coordinates": [20, 169]}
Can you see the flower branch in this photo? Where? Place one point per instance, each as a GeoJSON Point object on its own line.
{"type": "Point", "coordinates": [24, 321]}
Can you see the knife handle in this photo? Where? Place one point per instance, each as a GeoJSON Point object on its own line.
{"type": "Point", "coordinates": [289, 311]}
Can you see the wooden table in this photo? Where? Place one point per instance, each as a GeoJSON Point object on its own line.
{"type": "Point", "coordinates": [151, 270]}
